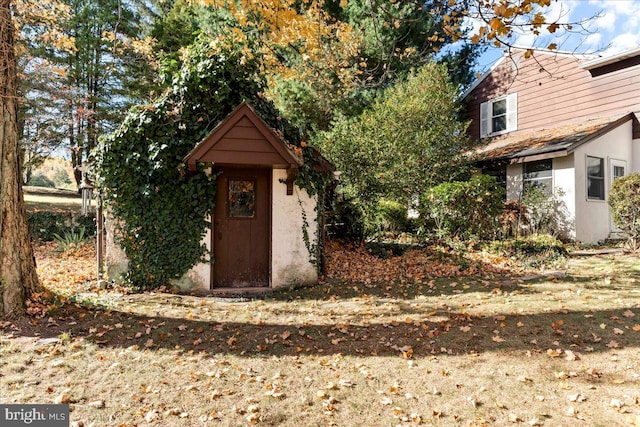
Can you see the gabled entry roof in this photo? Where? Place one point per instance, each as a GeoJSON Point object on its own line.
{"type": "Point", "coordinates": [243, 138]}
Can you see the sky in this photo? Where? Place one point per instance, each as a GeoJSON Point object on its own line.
{"type": "Point", "coordinates": [614, 27]}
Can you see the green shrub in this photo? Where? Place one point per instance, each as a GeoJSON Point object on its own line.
{"type": "Point", "coordinates": [345, 219]}
{"type": "Point", "coordinates": [61, 178]}
{"type": "Point", "coordinates": [624, 200]}
{"type": "Point", "coordinates": [463, 209]}
{"type": "Point", "coordinates": [386, 217]}
{"type": "Point", "coordinates": [40, 180]}
{"type": "Point", "coordinates": [45, 225]}
{"type": "Point", "coordinates": [71, 240]}
{"type": "Point", "coordinates": [536, 250]}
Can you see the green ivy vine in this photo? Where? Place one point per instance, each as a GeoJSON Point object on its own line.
{"type": "Point", "coordinates": [160, 209]}
{"type": "Point", "coordinates": [315, 176]}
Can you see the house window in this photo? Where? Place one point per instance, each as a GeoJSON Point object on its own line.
{"type": "Point", "coordinates": [595, 178]}
{"type": "Point", "coordinates": [499, 115]}
{"type": "Point", "coordinates": [499, 173]}
{"type": "Point", "coordinates": [538, 175]}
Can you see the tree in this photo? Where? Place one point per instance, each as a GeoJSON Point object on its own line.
{"type": "Point", "coordinates": [18, 277]}
{"type": "Point", "coordinates": [407, 141]}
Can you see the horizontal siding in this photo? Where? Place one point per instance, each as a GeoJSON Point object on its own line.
{"type": "Point", "coordinates": [249, 159]}
{"type": "Point", "coordinates": [246, 132]}
{"type": "Point", "coordinates": [244, 145]}
{"type": "Point", "coordinates": [564, 93]}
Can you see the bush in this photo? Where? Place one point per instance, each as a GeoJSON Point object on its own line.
{"type": "Point", "coordinates": [345, 220]}
{"type": "Point", "coordinates": [624, 200]}
{"type": "Point", "coordinates": [536, 250]}
{"type": "Point", "coordinates": [61, 178]}
{"type": "Point", "coordinates": [544, 213]}
{"type": "Point", "coordinates": [46, 225]}
{"type": "Point", "coordinates": [463, 209]}
{"type": "Point", "coordinates": [387, 217]}
{"type": "Point", "coordinates": [40, 180]}
{"type": "Point", "coordinates": [71, 240]}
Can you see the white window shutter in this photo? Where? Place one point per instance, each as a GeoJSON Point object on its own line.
{"type": "Point", "coordinates": [485, 123]}
{"type": "Point", "coordinates": [512, 112]}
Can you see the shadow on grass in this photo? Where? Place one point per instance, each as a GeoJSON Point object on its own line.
{"type": "Point", "coordinates": [440, 332]}
{"type": "Point", "coordinates": [335, 289]}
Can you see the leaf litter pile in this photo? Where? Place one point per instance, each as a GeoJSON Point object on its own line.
{"type": "Point", "coordinates": [416, 339]}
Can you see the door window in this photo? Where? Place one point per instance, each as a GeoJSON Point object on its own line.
{"type": "Point", "coordinates": [242, 198]}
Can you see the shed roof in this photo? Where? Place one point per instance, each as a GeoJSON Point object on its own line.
{"type": "Point", "coordinates": [244, 138]}
{"type": "Point", "coordinates": [548, 143]}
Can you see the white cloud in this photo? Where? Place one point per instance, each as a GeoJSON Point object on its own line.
{"type": "Point", "coordinates": [623, 42]}
{"type": "Point", "coordinates": [606, 22]}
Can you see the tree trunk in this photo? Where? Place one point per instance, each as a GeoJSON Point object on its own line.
{"type": "Point", "coordinates": [18, 277]}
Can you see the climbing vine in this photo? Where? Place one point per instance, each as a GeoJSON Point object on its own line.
{"type": "Point", "coordinates": [160, 209]}
{"type": "Point", "coordinates": [316, 178]}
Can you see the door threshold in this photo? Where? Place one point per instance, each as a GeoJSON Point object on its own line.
{"type": "Point", "coordinates": [235, 292]}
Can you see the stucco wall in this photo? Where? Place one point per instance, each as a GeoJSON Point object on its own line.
{"type": "Point", "coordinates": [593, 221]}
{"type": "Point", "coordinates": [199, 277]}
{"type": "Point", "coordinates": [514, 182]}
{"type": "Point", "coordinates": [636, 156]}
{"type": "Point", "coordinates": [564, 190]}
{"type": "Point", "coordinates": [290, 259]}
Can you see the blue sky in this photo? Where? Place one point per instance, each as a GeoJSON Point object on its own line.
{"type": "Point", "coordinates": [616, 27]}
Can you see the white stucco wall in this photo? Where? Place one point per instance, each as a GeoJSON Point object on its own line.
{"type": "Point", "coordinates": [514, 182]}
{"type": "Point", "coordinates": [593, 221]}
{"type": "Point", "coordinates": [290, 259]}
{"type": "Point", "coordinates": [199, 277]}
{"type": "Point", "coordinates": [635, 167]}
{"type": "Point", "coordinates": [564, 184]}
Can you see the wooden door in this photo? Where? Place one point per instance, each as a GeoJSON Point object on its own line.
{"type": "Point", "coordinates": [241, 228]}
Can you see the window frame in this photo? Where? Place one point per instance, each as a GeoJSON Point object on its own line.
{"type": "Point", "coordinates": [487, 116]}
{"type": "Point", "coordinates": [525, 180]}
{"type": "Point", "coordinates": [601, 178]}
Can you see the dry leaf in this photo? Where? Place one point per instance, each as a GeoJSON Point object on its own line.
{"type": "Point", "coordinates": [152, 415]}
{"type": "Point", "coordinates": [570, 355]}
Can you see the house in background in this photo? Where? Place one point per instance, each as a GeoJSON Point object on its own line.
{"type": "Point", "coordinates": [561, 122]}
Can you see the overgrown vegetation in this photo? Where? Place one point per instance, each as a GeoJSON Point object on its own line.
{"type": "Point", "coordinates": [160, 209]}
{"type": "Point", "coordinates": [624, 200]}
{"type": "Point", "coordinates": [463, 209]}
{"type": "Point", "coordinates": [45, 225]}
{"type": "Point", "coordinates": [533, 251]}
{"type": "Point", "coordinates": [408, 141]}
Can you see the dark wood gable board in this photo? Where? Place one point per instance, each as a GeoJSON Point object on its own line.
{"type": "Point", "coordinates": [244, 139]}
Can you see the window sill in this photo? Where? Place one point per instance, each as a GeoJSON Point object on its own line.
{"type": "Point", "coordinates": [491, 135]}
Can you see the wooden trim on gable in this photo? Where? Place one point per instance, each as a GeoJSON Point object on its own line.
{"type": "Point", "coordinates": [243, 138]}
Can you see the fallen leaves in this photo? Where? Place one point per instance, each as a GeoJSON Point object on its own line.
{"type": "Point", "coordinates": [356, 263]}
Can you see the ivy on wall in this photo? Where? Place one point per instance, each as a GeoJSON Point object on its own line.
{"type": "Point", "coordinates": [160, 209]}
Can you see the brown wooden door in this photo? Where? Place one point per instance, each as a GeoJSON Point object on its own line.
{"type": "Point", "coordinates": [241, 228]}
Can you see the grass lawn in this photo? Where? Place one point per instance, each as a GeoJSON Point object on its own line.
{"type": "Point", "coordinates": [42, 198]}
{"type": "Point", "coordinates": [389, 344]}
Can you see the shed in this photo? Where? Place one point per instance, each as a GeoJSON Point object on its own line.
{"type": "Point", "coordinates": [263, 225]}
